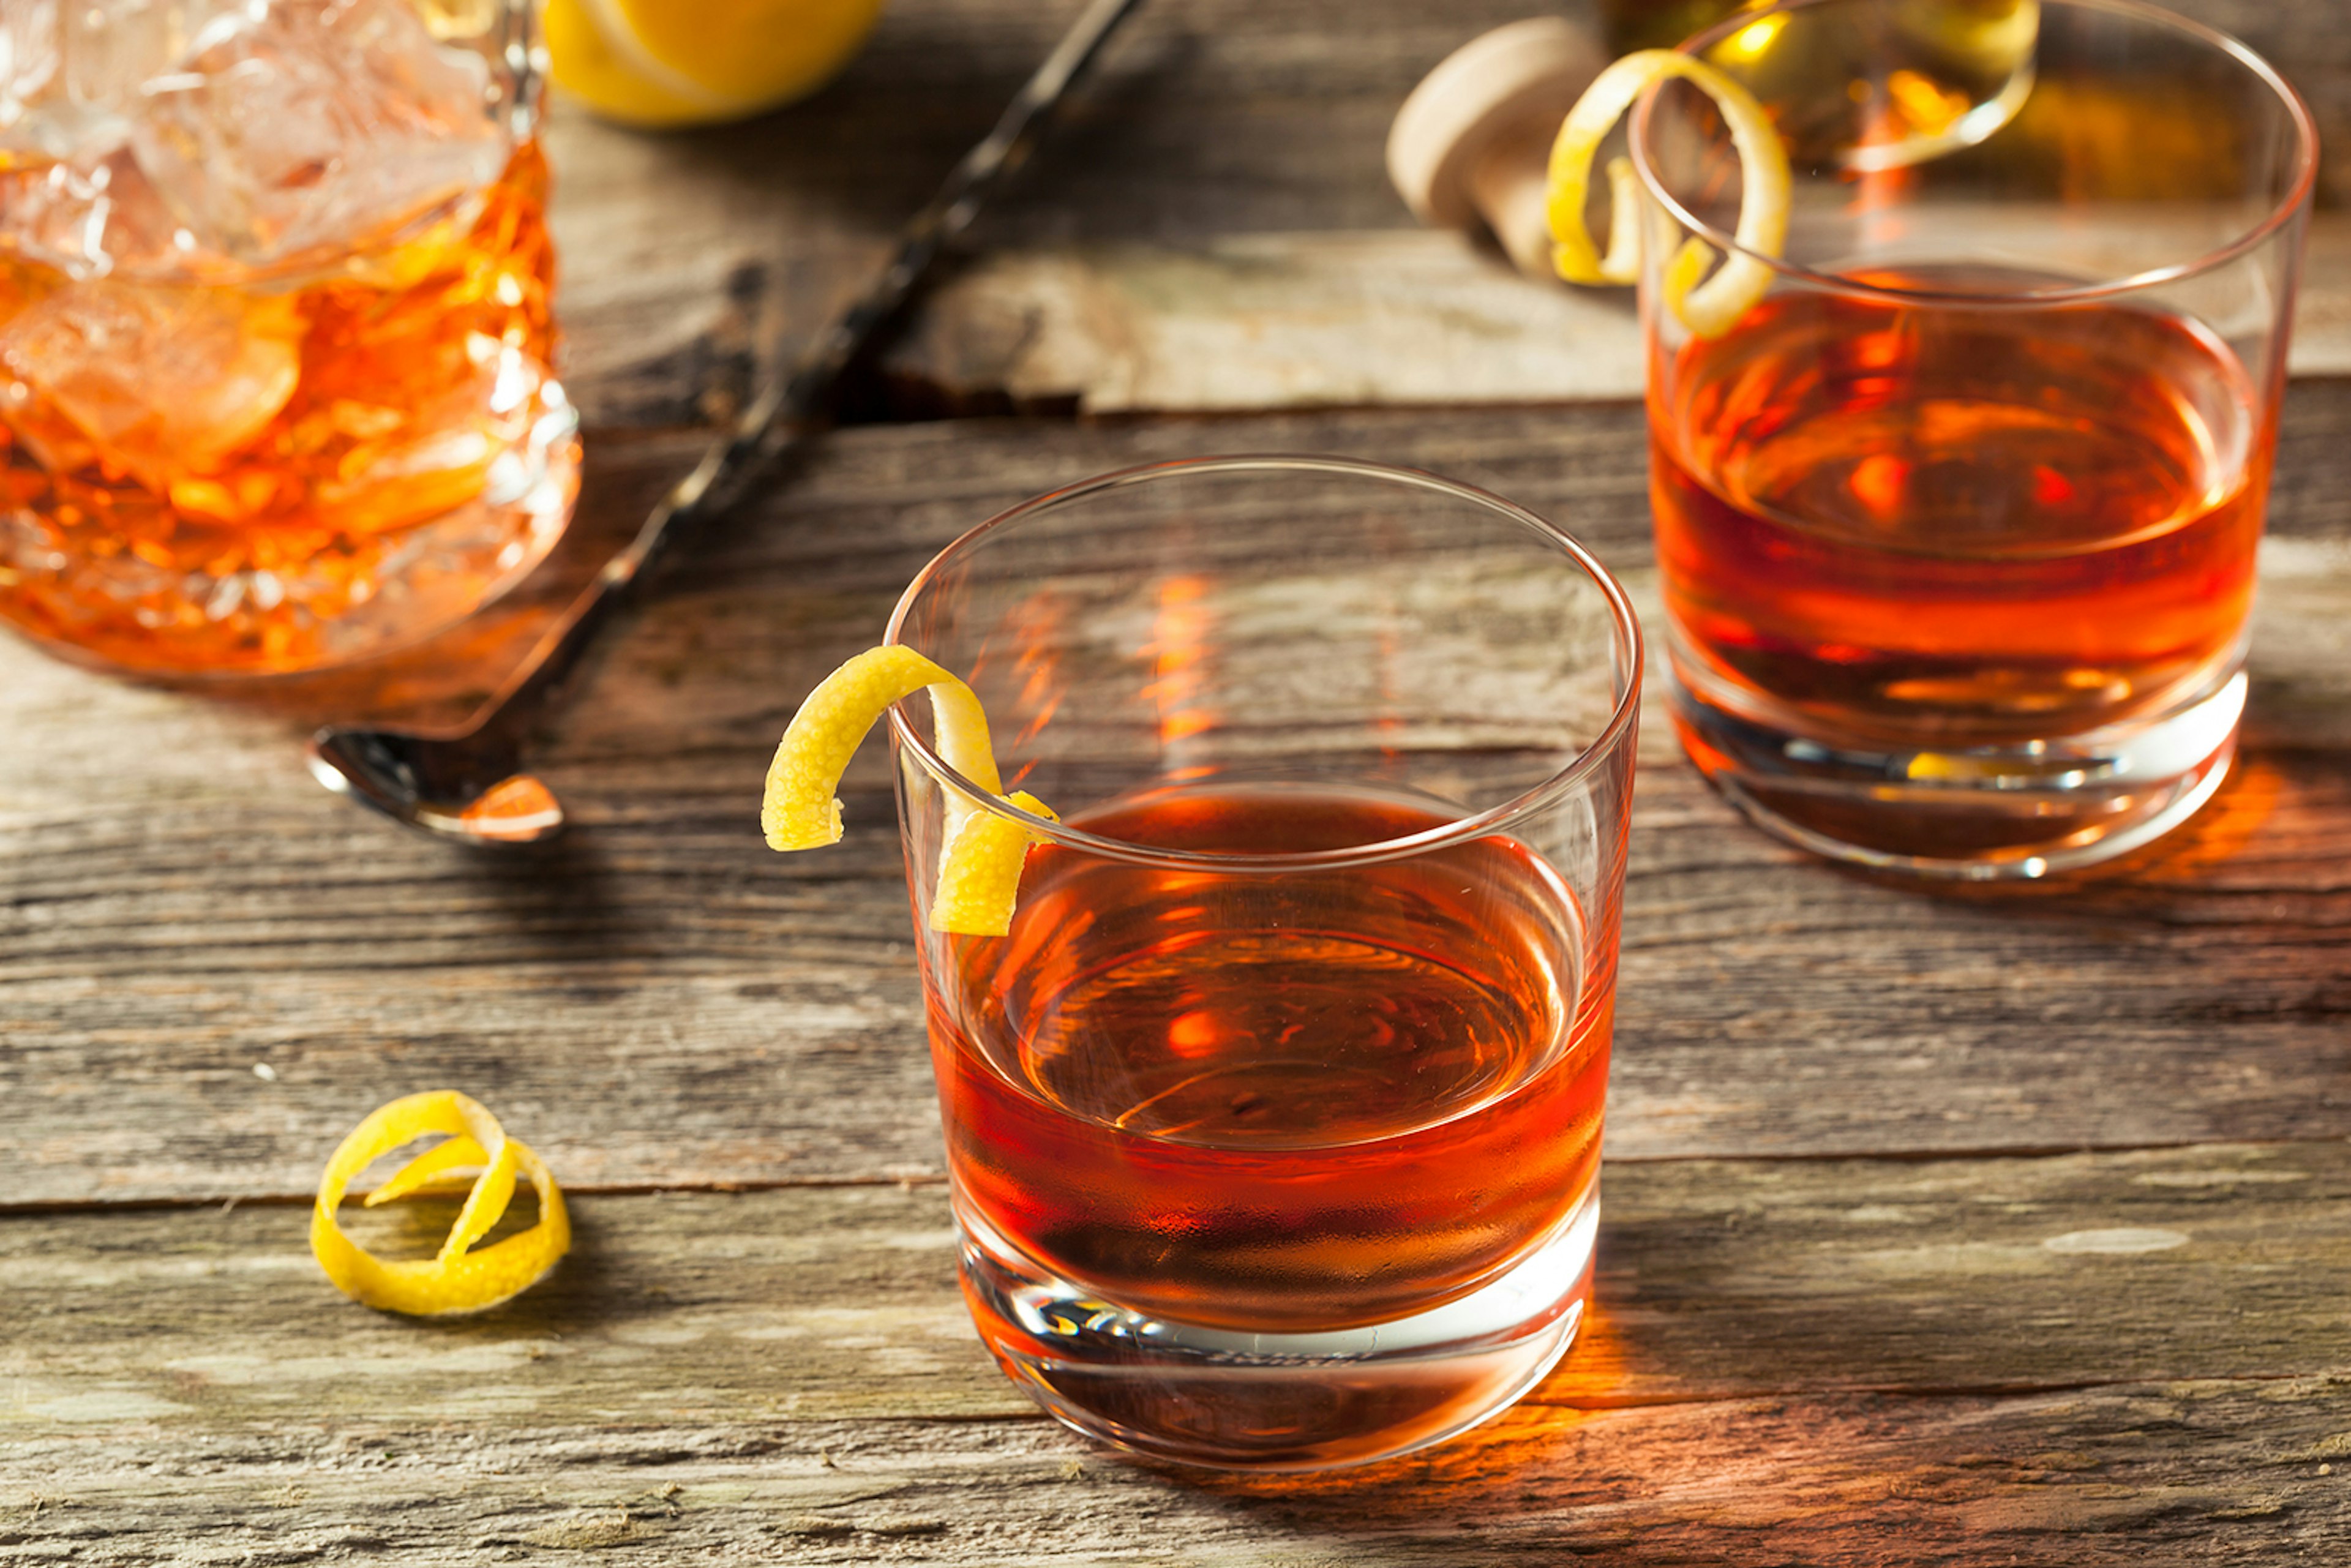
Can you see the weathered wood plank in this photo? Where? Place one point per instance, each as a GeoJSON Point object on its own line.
{"type": "Point", "coordinates": [1965, 1352]}
{"type": "Point", "coordinates": [691, 258]}
{"type": "Point", "coordinates": [2188, 1473]}
{"type": "Point", "coordinates": [1215, 231]}
{"type": "Point", "coordinates": [1718, 1280]}
{"type": "Point", "coordinates": [1335, 319]}
{"type": "Point", "coordinates": [1225, 117]}
{"type": "Point", "coordinates": [664, 1002]}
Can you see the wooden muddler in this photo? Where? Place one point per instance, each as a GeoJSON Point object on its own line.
{"type": "Point", "coordinates": [1468, 147]}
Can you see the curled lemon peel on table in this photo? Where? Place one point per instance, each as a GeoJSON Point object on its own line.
{"type": "Point", "coordinates": [1707, 308]}
{"type": "Point", "coordinates": [980, 861]}
{"type": "Point", "coordinates": [461, 1278]}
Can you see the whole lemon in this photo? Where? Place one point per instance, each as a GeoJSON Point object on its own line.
{"type": "Point", "coordinates": [657, 62]}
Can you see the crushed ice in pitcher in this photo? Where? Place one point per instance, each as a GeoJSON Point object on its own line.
{"type": "Point", "coordinates": [187, 138]}
{"type": "Point", "coordinates": [159, 381]}
{"type": "Point", "coordinates": [176, 142]}
{"type": "Point", "coordinates": [276, 329]}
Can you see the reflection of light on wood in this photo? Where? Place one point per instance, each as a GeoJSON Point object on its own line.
{"type": "Point", "coordinates": [1599, 1368]}
{"type": "Point", "coordinates": [2227, 826]}
{"type": "Point", "coordinates": [1036, 640]}
{"type": "Point", "coordinates": [1531, 1444]}
{"type": "Point", "coordinates": [1389, 724]}
{"type": "Point", "coordinates": [1177, 650]}
{"type": "Point", "coordinates": [1879, 192]}
{"type": "Point", "coordinates": [2249, 828]}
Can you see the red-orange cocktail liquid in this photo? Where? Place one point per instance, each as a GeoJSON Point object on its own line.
{"type": "Point", "coordinates": [328, 414]}
{"type": "Point", "coordinates": [1284, 1103]}
{"type": "Point", "coordinates": [1955, 524]}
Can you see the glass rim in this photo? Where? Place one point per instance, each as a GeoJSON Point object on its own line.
{"type": "Point", "coordinates": [2296, 199]}
{"type": "Point", "coordinates": [1626, 640]}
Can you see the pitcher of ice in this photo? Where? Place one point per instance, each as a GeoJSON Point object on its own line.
{"type": "Point", "coordinates": [274, 326]}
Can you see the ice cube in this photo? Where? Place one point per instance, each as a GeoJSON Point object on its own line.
{"type": "Point", "coordinates": [28, 56]}
{"type": "Point", "coordinates": [163, 381]}
{"type": "Point", "coordinates": [87, 221]}
{"type": "Point", "coordinates": [71, 74]}
{"type": "Point", "coordinates": [290, 126]}
{"type": "Point", "coordinates": [111, 48]}
{"type": "Point", "coordinates": [189, 137]}
{"type": "Point", "coordinates": [69, 79]}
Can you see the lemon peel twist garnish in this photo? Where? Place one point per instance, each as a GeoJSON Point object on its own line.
{"type": "Point", "coordinates": [1709, 309]}
{"type": "Point", "coordinates": [980, 861]}
{"type": "Point", "coordinates": [457, 1279]}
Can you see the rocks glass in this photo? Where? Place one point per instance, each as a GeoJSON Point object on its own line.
{"type": "Point", "coordinates": [1958, 524]}
{"type": "Point", "coordinates": [1274, 1121]}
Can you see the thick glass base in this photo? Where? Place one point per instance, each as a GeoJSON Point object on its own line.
{"type": "Point", "coordinates": [1311, 1401]}
{"type": "Point", "coordinates": [153, 593]}
{"type": "Point", "coordinates": [1977, 813]}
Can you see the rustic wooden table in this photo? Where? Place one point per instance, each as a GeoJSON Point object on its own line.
{"type": "Point", "coordinates": [1986, 1227]}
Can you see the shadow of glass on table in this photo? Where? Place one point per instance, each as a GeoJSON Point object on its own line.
{"type": "Point", "coordinates": [2276, 827]}
{"type": "Point", "coordinates": [1850, 1353]}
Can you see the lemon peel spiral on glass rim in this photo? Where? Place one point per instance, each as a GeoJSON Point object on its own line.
{"type": "Point", "coordinates": [460, 1279]}
{"type": "Point", "coordinates": [1707, 308]}
{"type": "Point", "coordinates": [979, 863]}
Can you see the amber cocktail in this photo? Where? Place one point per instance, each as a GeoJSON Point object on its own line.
{"type": "Point", "coordinates": [1958, 521]}
{"type": "Point", "coordinates": [1274, 1118]}
{"type": "Point", "coordinates": [275, 335]}
{"type": "Point", "coordinates": [1314, 1101]}
{"type": "Point", "coordinates": [1961, 525]}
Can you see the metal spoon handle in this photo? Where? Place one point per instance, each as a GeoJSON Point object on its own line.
{"type": "Point", "coordinates": [791, 406]}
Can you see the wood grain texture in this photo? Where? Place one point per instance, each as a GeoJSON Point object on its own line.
{"type": "Point", "coordinates": [2175, 1473]}
{"type": "Point", "coordinates": [1961, 1354]}
{"type": "Point", "coordinates": [691, 259]}
{"type": "Point", "coordinates": [1927, 1356]}
{"type": "Point", "coordinates": [1718, 1280]}
{"type": "Point", "coordinates": [1324, 319]}
{"type": "Point", "coordinates": [660, 1001]}
{"type": "Point", "coordinates": [1231, 116]}
{"type": "Point", "coordinates": [1216, 229]}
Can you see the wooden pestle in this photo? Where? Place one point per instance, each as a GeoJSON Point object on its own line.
{"type": "Point", "coordinates": [1469, 145]}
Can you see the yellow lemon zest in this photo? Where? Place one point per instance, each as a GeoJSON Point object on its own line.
{"type": "Point", "coordinates": [981, 856]}
{"type": "Point", "coordinates": [980, 869]}
{"type": "Point", "coordinates": [449, 1158]}
{"type": "Point", "coordinates": [459, 1278]}
{"type": "Point", "coordinates": [1707, 308]}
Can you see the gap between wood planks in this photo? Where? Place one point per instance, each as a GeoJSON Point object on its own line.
{"type": "Point", "coordinates": [934, 1179]}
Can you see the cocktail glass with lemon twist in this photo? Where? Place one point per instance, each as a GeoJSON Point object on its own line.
{"type": "Point", "coordinates": [1958, 499]}
{"type": "Point", "coordinates": [1272, 1101]}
